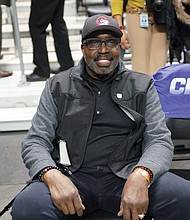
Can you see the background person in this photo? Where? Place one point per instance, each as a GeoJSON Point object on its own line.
{"type": "Point", "coordinates": [43, 13]}
{"type": "Point", "coordinates": [110, 123]}
{"type": "Point", "coordinates": [148, 41]}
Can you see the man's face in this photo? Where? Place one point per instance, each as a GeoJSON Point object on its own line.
{"type": "Point", "coordinates": [101, 60]}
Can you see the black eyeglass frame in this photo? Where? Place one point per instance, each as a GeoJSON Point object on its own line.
{"type": "Point", "coordinates": [100, 42]}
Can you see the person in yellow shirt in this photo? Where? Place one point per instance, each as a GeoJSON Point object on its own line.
{"type": "Point", "coordinates": [147, 40]}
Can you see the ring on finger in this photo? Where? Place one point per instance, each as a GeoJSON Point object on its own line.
{"type": "Point", "coordinates": [141, 216]}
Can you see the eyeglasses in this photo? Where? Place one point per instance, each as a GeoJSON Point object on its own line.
{"type": "Point", "coordinates": [96, 43]}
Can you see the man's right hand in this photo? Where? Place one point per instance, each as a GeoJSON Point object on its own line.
{"type": "Point", "coordinates": [64, 193]}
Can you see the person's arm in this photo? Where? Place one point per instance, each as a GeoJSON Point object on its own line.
{"type": "Point", "coordinates": [157, 154]}
{"type": "Point", "coordinates": [134, 198]}
{"type": "Point", "coordinates": [117, 7]}
{"type": "Point", "coordinates": [37, 146]}
{"type": "Point", "coordinates": [157, 146]}
{"type": "Point", "coordinates": [64, 193]}
{"type": "Point", "coordinates": [117, 14]}
{"type": "Point", "coordinates": [36, 153]}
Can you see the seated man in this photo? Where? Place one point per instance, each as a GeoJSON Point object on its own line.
{"type": "Point", "coordinates": [99, 141]}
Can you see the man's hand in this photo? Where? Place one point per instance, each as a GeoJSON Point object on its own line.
{"type": "Point", "coordinates": [125, 38]}
{"type": "Point", "coordinates": [64, 193]}
{"type": "Point", "coordinates": [125, 44]}
{"type": "Point", "coordinates": [134, 199]}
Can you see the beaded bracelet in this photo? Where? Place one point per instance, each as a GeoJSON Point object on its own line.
{"type": "Point", "coordinates": [47, 169]}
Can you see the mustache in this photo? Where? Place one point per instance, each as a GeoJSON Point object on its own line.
{"type": "Point", "coordinates": [103, 57]}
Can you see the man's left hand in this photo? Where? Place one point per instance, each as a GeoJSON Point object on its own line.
{"type": "Point", "coordinates": [134, 200]}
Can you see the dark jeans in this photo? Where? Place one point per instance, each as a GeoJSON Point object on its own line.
{"type": "Point", "coordinates": [169, 197]}
{"type": "Point", "coordinates": [43, 13]}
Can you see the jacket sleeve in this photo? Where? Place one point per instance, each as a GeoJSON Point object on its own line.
{"type": "Point", "coordinates": [157, 147]}
{"type": "Point", "coordinates": [37, 146]}
{"type": "Point", "coordinates": [117, 7]}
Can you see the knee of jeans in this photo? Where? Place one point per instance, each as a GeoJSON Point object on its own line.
{"type": "Point", "coordinates": [19, 209]}
{"type": "Point", "coordinates": [25, 208]}
{"type": "Point", "coordinates": [28, 204]}
{"type": "Point", "coordinates": [172, 186]}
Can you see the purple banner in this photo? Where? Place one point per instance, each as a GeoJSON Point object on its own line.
{"type": "Point", "coordinates": [173, 86]}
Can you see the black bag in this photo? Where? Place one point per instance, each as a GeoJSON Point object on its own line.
{"type": "Point", "coordinates": [160, 17]}
{"type": "Point", "coordinates": [161, 10]}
